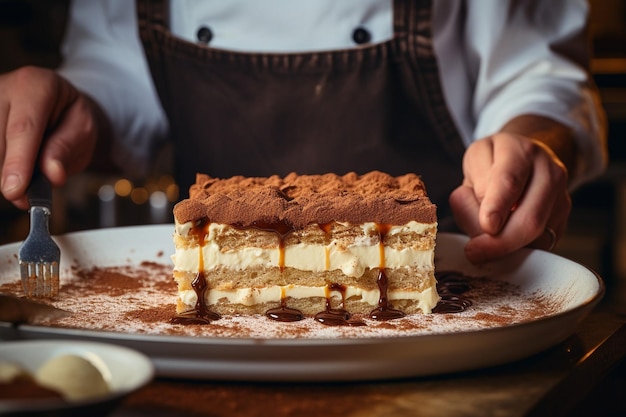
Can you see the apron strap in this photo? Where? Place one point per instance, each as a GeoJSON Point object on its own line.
{"type": "Point", "coordinates": [154, 11]}
{"type": "Point", "coordinates": [414, 18]}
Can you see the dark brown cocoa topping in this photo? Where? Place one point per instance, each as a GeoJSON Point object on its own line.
{"type": "Point", "coordinates": [300, 200]}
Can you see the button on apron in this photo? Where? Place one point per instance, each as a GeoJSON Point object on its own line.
{"type": "Point", "coordinates": [204, 34]}
{"type": "Point", "coordinates": [361, 36]}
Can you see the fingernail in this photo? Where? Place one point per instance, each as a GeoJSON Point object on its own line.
{"type": "Point", "coordinates": [10, 183]}
{"type": "Point", "coordinates": [55, 167]}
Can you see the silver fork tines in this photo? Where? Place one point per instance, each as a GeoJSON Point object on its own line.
{"type": "Point", "coordinates": [40, 279]}
{"type": "Point", "coordinates": [39, 255]}
{"type": "Point", "coordinates": [33, 285]}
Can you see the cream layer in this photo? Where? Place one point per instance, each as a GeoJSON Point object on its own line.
{"type": "Point", "coordinates": [426, 299]}
{"type": "Point", "coordinates": [352, 260]}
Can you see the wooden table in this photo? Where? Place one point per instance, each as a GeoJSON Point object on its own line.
{"type": "Point", "coordinates": [581, 376]}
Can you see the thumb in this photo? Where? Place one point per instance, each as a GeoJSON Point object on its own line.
{"type": "Point", "coordinates": [465, 208]}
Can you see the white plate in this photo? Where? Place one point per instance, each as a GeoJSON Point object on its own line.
{"type": "Point", "coordinates": [125, 371]}
{"type": "Point", "coordinates": [575, 289]}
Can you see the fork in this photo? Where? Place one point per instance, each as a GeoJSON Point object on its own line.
{"type": "Point", "coordinates": [39, 255]}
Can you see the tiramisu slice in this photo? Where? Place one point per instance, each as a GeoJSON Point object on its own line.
{"type": "Point", "coordinates": [337, 248]}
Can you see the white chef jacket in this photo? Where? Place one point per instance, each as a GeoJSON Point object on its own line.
{"type": "Point", "coordinates": [510, 58]}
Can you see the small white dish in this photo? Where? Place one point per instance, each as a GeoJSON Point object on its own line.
{"type": "Point", "coordinates": [124, 369]}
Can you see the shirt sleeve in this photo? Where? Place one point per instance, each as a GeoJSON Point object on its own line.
{"type": "Point", "coordinates": [103, 57]}
{"type": "Point", "coordinates": [534, 60]}
{"type": "Point", "coordinates": [524, 57]}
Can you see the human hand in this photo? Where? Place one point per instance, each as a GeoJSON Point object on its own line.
{"type": "Point", "coordinates": [43, 120]}
{"type": "Point", "coordinates": [514, 194]}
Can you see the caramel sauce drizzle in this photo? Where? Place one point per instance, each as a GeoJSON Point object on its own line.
{"type": "Point", "coordinates": [327, 229]}
{"type": "Point", "coordinates": [201, 314]}
{"type": "Point", "coordinates": [284, 313]}
{"type": "Point", "coordinates": [337, 316]}
{"type": "Point", "coordinates": [450, 285]}
{"type": "Point", "coordinates": [281, 229]}
{"type": "Point", "coordinates": [385, 310]}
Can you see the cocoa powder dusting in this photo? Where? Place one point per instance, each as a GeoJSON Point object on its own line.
{"type": "Point", "coordinates": [141, 299]}
{"type": "Point", "coordinates": [96, 280]}
{"type": "Point", "coordinates": [299, 200]}
{"type": "Point", "coordinates": [159, 314]}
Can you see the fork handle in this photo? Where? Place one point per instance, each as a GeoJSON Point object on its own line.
{"type": "Point", "coordinates": [39, 191]}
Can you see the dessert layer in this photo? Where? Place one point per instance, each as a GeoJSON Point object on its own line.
{"type": "Point", "coordinates": [349, 248]}
{"type": "Point", "coordinates": [309, 306]}
{"type": "Point", "coordinates": [299, 200]}
{"type": "Point", "coordinates": [257, 289]}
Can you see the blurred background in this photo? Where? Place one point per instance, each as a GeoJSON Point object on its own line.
{"type": "Point", "coordinates": [31, 31]}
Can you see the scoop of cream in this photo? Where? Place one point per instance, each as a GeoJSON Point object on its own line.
{"type": "Point", "coordinates": [10, 371]}
{"type": "Point", "coordinates": [72, 376]}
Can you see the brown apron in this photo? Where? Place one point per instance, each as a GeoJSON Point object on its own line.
{"type": "Point", "coordinates": [378, 107]}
